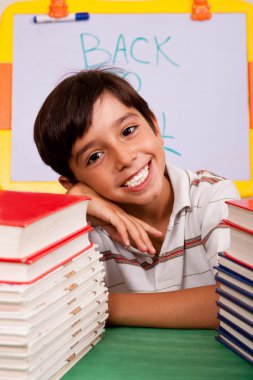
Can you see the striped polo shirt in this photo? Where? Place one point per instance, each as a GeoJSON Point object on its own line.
{"type": "Point", "coordinates": [195, 234]}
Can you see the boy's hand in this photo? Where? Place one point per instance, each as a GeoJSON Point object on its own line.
{"type": "Point", "coordinates": [122, 227]}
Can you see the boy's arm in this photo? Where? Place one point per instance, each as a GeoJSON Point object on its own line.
{"type": "Point", "coordinates": [122, 227]}
{"type": "Point", "coordinates": [188, 308]}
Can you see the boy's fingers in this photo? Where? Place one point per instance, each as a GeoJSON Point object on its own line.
{"type": "Point", "coordinates": [148, 242]}
{"type": "Point", "coordinates": [144, 240]}
{"type": "Point", "coordinates": [128, 229]}
{"type": "Point", "coordinates": [139, 236]}
{"type": "Point", "coordinates": [121, 227]}
{"type": "Point", "coordinates": [148, 228]}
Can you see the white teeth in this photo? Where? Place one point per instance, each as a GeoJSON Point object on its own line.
{"type": "Point", "coordinates": [138, 178]}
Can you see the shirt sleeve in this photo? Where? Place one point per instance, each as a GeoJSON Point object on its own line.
{"type": "Point", "coordinates": [214, 232]}
{"type": "Point", "coordinates": [98, 237]}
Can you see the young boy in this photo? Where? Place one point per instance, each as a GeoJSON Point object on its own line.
{"type": "Point", "coordinates": [158, 227]}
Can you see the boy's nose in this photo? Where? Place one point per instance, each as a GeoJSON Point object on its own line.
{"type": "Point", "coordinates": [124, 157]}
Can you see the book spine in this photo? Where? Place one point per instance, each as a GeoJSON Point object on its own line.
{"type": "Point", "coordinates": [234, 287]}
{"type": "Point", "coordinates": [235, 259]}
{"type": "Point", "coordinates": [238, 227]}
{"type": "Point", "coordinates": [235, 300]}
{"type": "Point", "coordinates": [233, 312]}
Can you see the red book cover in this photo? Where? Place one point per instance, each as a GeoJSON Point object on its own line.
{"type": "Point", "coordinates": [241, 262]}
{"type": "Point", "coordinates": [20, 208]}
{"type": "Point", "coordinates": [53, 268]}
{"type": "Point", "coordinates": [237, 226]}
{"type": "Point", "coordinates": [241, 243]}
{"type": "Point", "coordinates": [29, 270]}
{"type": "Point", "coordinates": [240, 212]}
{"type": "Point", "coordinates": [30, 222]}
{"type": "Point", "coordinates": [246, 204]}
{"type": "Point", "coordinates": [48, 249]}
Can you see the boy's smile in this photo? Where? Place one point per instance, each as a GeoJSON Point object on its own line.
{"type": "Point", "coordinates": [138, 179]}
{"type": "Point", "coordinates": [120, 156]}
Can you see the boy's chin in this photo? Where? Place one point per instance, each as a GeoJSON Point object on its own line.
{"type": "Point", "coordinates": [144, 199]}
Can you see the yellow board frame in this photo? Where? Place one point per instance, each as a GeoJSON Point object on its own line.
{"type": "Point", "coordinates": [103, 6]}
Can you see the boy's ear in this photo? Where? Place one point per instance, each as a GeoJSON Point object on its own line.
{"type": "Point", "coordinates": [156, 126]}
{"type": "Point", "coordinates": [157, 130]}
{"type": "Point", "coordinates": [65, 182]}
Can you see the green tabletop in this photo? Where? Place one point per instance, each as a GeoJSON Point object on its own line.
{"type": "Point", "coordinates": [160, 354]}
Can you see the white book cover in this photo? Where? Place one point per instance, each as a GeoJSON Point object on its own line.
{"type": "Point", "coordinates": [91, 272]}
{"type": "Point", "coordinates": [58, 364]}
{"type": "Point", "coordinates": [68, 304]}
{"type": "Point", "coordinates": [53, 299]}
{"type": "Point", "coordinates": [24, 292]}
{"type": "Point", "coordinates": [17, 336]}
{"type": "Point", "coordinates": [67, 339]}
{"type": "Point", "coordinates": [46, 261]}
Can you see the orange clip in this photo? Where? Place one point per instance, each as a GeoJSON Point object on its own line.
{"type": "Point", "coordinates": [58, 8]}
{"type": "Point", "coordinates": [201, 10]}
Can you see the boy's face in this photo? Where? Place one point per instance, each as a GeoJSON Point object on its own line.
{"type": "Point", "coordinates": [120, 156]}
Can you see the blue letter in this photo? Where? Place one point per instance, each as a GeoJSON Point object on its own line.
{"type": "Point", "coordinates": [120, 49]}
{"type": "Point", "coordinates": [93, 49]}
{"type": "Point", "coordinates": [132, 48]}
{"type": "Point", "coordinates": [159, 50]}
{"type": "Point", "coordinates": [164, 136]}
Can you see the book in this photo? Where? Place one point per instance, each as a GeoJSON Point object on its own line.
{"type": "Point", "coordinates": [234, 280]}
{"type": "Point", "coordinates": [238, 293]}
{"type": "Point", "coordinates": [237, 338]}
{"type": "Point", "coordinates": [53, 299]}
{"type": "Point", "coordinates": [87, 277]}
{"type": "Point", "coordinates": [233, 304]}
{"type": "Point", "coordinates": [235, 347]}
{"type": "Point", "coordinates": [235, 308]}
{"type": "Point", "coordinates": [242, 336]}
{"type": "Point", "coordinates": [73, 359]}
{"type": "Point", "coordinates": [233, 328]}
{"type": "Point", "coordinates": [240, 212]}
{"type": "Point", "coordinates": [31, 269]}
{"type": "Point", "coordinates": [23, 341]}
{"type": "Point", "coordinates": [32, 221]}
{"type": "Point", "coordinates": [241, 242]}
{"type": "Point", "coordinates": [234, 311]}
{"type": "Point", "coordinates": [58, 363]}
{"type": "Point", "coordinates": [231, 319]}
{"type": "Point", "coordinates": [226, 262]}
{"type": "Point", "coordinates": [42, 351]}
{"type": "Point", "coordinates": [245, 304]}
{"type": "Point", "coordinates": [70, 272]}
{"type": "Point", "coordinates": [46, 326]}
{"type": "Point", "coordinates": [71, 302]}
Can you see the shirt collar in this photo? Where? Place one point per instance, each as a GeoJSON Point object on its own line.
{"type": "Point", "coordinates": [180, 182]}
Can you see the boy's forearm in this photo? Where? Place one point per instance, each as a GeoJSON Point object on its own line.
{"type": "Point", "coordinates": [189, 308]}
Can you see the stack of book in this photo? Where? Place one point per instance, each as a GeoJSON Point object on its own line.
{"type": "Point", "coordinates": [235, 277]}
{"type": "Point", "coordinates": [53, 300]}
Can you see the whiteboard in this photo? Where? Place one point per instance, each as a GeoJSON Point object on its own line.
{"type": "Point", "coordinates": [193, 75]}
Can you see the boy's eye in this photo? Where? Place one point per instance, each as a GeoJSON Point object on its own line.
{"type": "Point", "coordinates": [127, 131]}
{"type": "Point", "coordinates": [94, 157]}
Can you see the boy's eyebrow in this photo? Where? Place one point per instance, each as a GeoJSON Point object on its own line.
{"type": "Point", "coordinates": [117, 122]}
{"type": "Point", "coordinates": [124, 117]}
{"type": "Point", "coordinates": [83, 149]}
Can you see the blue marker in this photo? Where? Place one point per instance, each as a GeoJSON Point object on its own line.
{"type": "Point", "coordinates": [40, 19]}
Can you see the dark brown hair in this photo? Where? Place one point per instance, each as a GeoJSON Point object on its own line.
{"type": "Point", "coordinates": [67, 113]}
